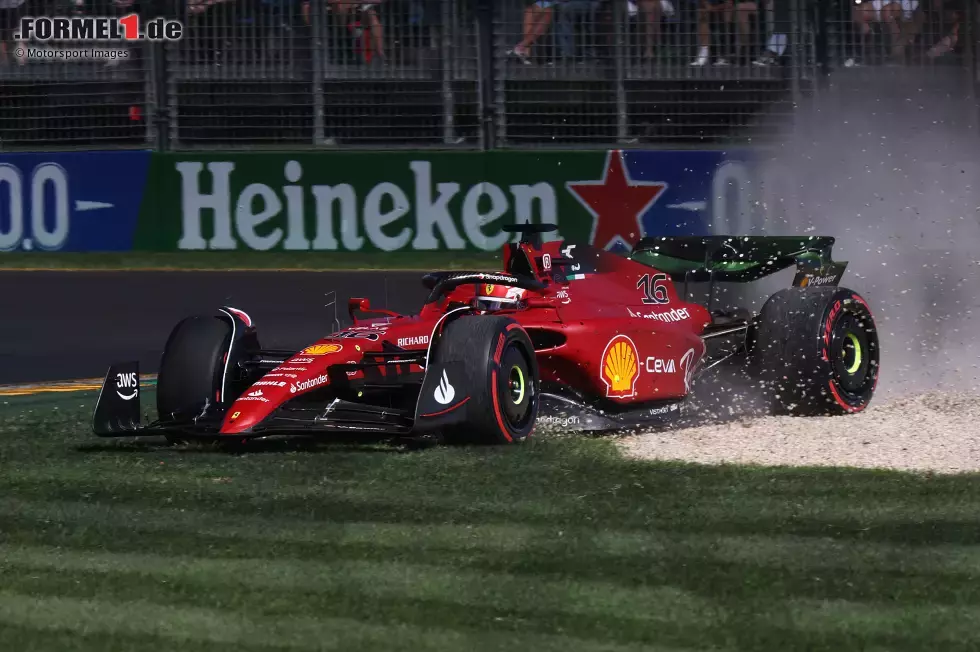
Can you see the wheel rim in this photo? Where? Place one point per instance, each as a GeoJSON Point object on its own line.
{"type": "Point", "coordinates": [516, 390]}
{"type": "Point", "coordinates": [515, 383]}
{"type": "Point", "coordinates": [853, 354]}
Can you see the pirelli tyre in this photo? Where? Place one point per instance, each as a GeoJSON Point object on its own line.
{"type": "Point", "coordinates": [192, 365]}
{"type": "Point", "coordinates": [817, 351]}
{"type": "Point", "coordinates": [501, 379]}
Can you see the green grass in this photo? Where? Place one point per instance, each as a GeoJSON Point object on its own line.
{"type": "Point", "coordinates": [221, 260]}
{"type": "Point", "coordinates": [559, 544]}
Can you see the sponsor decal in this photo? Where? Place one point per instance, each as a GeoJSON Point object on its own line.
{"type": "Point", "coordinates": [291, 369]}
{"type": "Point", "coordinates": [417, 340]}
{"type": "Point", "coordinates": [261, 399]}
{"type": "Point", "coordinates": [815, 280]}
{"type": "Point", "coordinates": [482, 276]}
{"type": "Point", "coordinates": [235, 415]}
{"type": "Point", "coordinates": [620, 367]}
{"type": "Point", "coordinates": [301, 361]}
{"type": "Point", "coordinates": [349, 334]}
{"type": "Point", "coordinates": [445, 392]}
{"type": "Point", "coordinates": [270, 383]}
{"type": "Point", "coordinates": [127, 386]}
{"type": "Point", "coordinates": [376, 328]}
{"type": "Point", "coordinates": [663, 409]}
{"type": "Point", "coordinates": [660, 366]}
{"type": "Point", "coordinates": [687, 364]}
{"type": "Point", "coordinates": [279, 375]}
{"type": "Point", "coordinates": [308, 384]}
{"type": "Point", "coordinates": [515, 293]}
{"type": "Point", "coordinates": [257, 392]}
{"type": "Point", "coordinates": [667, 316]}
{"type": "Point", "coordinates": [320, 349]}
{"type": "Point", "coordinates": [654, 289]}
{"type": "Point", "coordinates": [546, 262]}
{"type": "Point", "coordinates": [563, 295]}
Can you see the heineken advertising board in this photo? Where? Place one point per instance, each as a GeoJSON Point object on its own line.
{"type": "Point", "coordinates": [366, 202]}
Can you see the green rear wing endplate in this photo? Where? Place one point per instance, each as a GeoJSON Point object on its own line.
{"type": "Point", "coordinates": [741, 259]}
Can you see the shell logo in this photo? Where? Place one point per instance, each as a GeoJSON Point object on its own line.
{"type": "Point", "coordinates": [322, 349]}
{"type": "Point", "coordinates": [805, 282]}
{"type": "Point", "coordinates": [620, 367]}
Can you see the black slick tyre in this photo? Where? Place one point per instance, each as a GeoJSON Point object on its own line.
{"type": "Point", "coordinates": [501, 378]}
{"type": "Point", "coordinates": [192, 365]}
{"type": "Point", "coordinates": [817, 351]}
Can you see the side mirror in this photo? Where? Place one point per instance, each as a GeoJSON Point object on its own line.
{"type": "Point", "coordinates": [360, 304]}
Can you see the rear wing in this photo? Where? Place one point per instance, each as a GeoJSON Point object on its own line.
{"type": "Point", "coordinates": [741, 259]}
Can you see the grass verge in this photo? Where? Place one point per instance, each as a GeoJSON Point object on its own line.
{"type": "Point", "coordinates": [559, 544]}
{"type": "Point", "coordinates": [225, 261]}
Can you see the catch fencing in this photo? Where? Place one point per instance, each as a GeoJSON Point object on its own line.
{"type": "Point", "coordinates": [469, 74]}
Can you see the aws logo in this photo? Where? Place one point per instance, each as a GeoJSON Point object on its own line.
{"type": "Point", "coordinates": [127, 386]}
{"type": "Point", "coordinates": [620, 367]}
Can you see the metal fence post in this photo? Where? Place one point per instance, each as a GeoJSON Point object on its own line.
{"type": "Point", "coordinates": [159, 71]}
{"type": "Point", "coordinates": [318, 53]}
{"type": "Point", "coordinates": [485, 72]}
{"type": "Point", "coordinates": [619, 66]}
{"type": "Point", "coordinates": [448, 70]}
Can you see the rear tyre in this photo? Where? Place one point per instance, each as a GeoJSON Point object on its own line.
{"type": "Point", "coordinates": [501, 378]}
{"type": "Point", "coordinates": [192, 366]}
{"type": "Point", "coordinates": [817, 351]}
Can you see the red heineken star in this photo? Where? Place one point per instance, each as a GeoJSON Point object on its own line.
{"type": "Point", "coordinates": [617, 203]}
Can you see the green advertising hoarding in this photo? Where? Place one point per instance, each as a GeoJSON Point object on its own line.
{"type": "Point", "coordinates": [359, 201]}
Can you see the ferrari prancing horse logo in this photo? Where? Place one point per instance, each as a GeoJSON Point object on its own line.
{"type": "Point", "coordinates": [620, 367]}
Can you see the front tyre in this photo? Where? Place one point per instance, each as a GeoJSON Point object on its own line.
{"type": "Point", "coordinates": [192, 366]}
{"type": "Point", "coordinates": [817, 350]}
{"type": "Point", "coordinates": [501, 377]}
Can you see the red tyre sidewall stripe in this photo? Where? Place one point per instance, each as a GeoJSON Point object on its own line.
{"type": "Point", "coordinates": [496, 406]}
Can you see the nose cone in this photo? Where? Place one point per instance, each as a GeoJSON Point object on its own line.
{"type": "Point", "coordinates": [251, 408]}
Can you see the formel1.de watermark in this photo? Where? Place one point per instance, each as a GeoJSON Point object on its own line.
{"type": "Point", "coordinates": [73, 29]}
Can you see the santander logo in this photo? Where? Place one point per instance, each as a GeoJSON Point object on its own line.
{"type": "Point", "coordinates": [308, 384]}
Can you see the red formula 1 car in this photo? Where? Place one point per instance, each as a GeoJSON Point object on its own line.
{"type": "Point", "coordinates": [566, 332]}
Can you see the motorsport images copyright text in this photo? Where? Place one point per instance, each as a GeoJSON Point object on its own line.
{"type": "Point", "coordinates": [71, 54]}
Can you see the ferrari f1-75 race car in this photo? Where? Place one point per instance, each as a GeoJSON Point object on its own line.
{"type": "Point", "coordinates": [565, 329]}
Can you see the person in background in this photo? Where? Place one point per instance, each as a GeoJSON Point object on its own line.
{"type": "Point", "coordinates": [778, 40]}
{"type": "Point", "coordinates": [892, 13]}
{"type": "Point", "coordinates": [537, 19]}
{"type": "Point", "coordinates": [11, 12]}
{"type": "Point", "coordinates": [346, 11]}
{"type": "Point", "coordinates": [730, 11]}
{"type": "Point", "coordinates": [569, 13]}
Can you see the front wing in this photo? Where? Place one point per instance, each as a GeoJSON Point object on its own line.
{"type": "Point", "coordinates": [118, 414]}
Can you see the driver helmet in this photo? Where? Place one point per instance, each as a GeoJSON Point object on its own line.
{"type": "Point", "coordinates": [496, 297]}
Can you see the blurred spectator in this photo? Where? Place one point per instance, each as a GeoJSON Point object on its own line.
{"type": "Point", "coordinates": [778, 33]}
{"type": "Point", "coordinates": [570, 13]}
{"type": "Point", "coordinates": [935, 23]}
{"type": "Point", "coordinates": [954, 13]}
{"type": "Point", "coordinates": [729, 11]}
{"type": "Point", "coordinates": [651, 12]}
{"type": "Point", "coordinates": [354, 14]}
{"type": "Point", "coordinates": [537, 19]}
{"type": "Point", "coordinates": [891, 13]}
{"type": "Point", "coordinates": [11, 12]}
